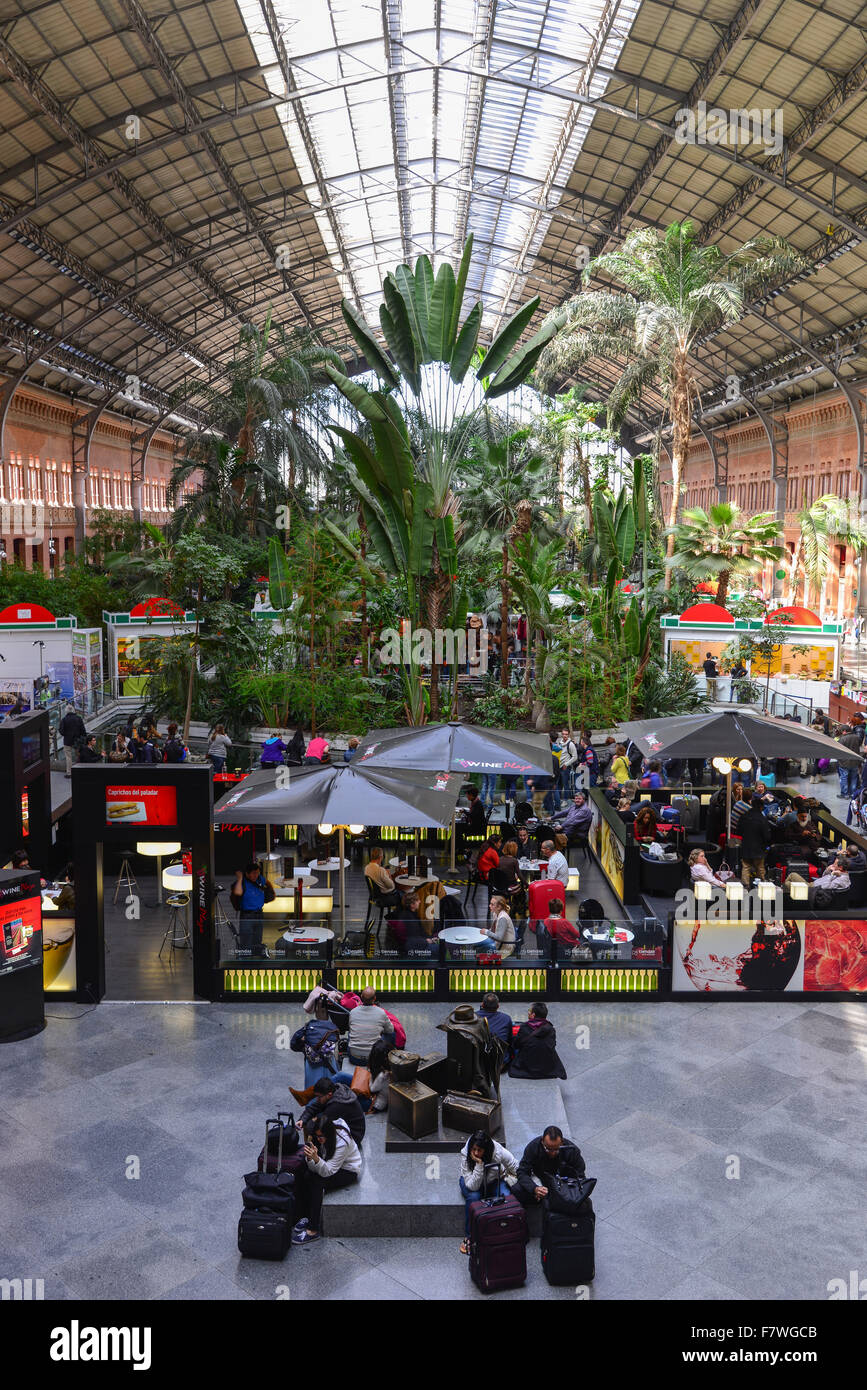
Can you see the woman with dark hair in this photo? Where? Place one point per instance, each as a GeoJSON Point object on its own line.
{"type": "Point", "coordinates": [489, 857]}
{"type": "Point", "coordinates": [296, 749]}
{"type": "Point", "coordinates": [646, 822]}
{"type": "Point", "coordinates": [479, 1151]}
{"type": "Point", "coordinates": [332, 1160]}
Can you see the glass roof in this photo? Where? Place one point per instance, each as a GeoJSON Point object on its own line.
{"type": "Point", "coordinates": [422, 120]}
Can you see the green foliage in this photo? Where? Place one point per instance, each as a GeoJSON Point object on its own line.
{"type": "Point", "coordinates": [79, 589]}
{"type": "Point", "coordinates": [503, 708]}
{"type": "Point", "coordinates": [345, 700]}
{"type": "Point", "coordinates": [670, 690]}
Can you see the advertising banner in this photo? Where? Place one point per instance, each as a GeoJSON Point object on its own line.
{"type": "Point", "coordinates": [131, 805]}
{"type": "Point", "coordinates": [836, 956]}
{"type": "Point", "coordinates": [610, 852]}
{"type": "Point", "coordinates": [20, 934]}
{"type": "Point", "coordinates": [738, 956]}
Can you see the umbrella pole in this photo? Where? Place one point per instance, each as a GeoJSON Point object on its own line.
{"type": "Point", "coordinates": [342, 898]}
{"type": "Point", "coordinates": [454, 832]}
{"type": "Point", "coordinates": [728, 809]}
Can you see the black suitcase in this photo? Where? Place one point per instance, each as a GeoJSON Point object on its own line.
{"type": "Point", "coordinates": [284, 1138]}
{"type": "Point", "coordinates": [498, 1241]}
{"type": "Point", "coordinates": [264, 1235]}
{"type": "Point", "coordinates": [568, 1252]}
{"type": "Point", "coordinates": [272, 1189]}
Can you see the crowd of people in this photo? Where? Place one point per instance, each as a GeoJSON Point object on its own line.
{"type": "Point", "coordinates": [346, 1080]}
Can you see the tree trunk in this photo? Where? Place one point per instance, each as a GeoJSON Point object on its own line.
{"type": "Point", "coordinates": [722, 587]}
{"type": "Point", "coordinates": [584, 472]}
{"type": "Point", "coordinates": [504, 619]}
{"type": "Point", "coordinates": [365, 629]}
{"type": "Point", "coordinates": [680, 416]}
{"type": "Point", "coordinates": [193, 663]}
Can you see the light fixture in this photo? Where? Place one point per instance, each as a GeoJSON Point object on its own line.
{"type": "Point", "coordinates": [49, 905]}
{"type": "Point", "coordinates": [735, 891]}
{"type": "Point", "coordinates": [798, 892]}
{"type": "Point", "coordinates": [722, 765]}
{"type": "Point", "coordinates": [744, 765]}
{"type": "Point", "coordinates": [158, 848]}
{"type": "Point", "coordinates": [178, 883]}
{"type": "Point", "coordinates": [574, 881]}
{"type": "Point", "coordinates": [702, 890]}
{"type": "Point", "coordinates": [317, 902]}
{"type": "Point", "coordinates": [356, 829]}
{"type": "Point", "coordinates": [767, 892]}
{"type": "Point", "coordinates": [325, 828]}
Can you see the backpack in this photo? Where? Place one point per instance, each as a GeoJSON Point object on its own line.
{"type": "Point", "coordinates": [174, 751]}
{"type": "Point", "coordinates": [323, 1055]}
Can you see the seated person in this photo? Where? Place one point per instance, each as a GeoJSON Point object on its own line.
{"type": "Point", "coordinates": [855, 859]}
{"type": "Point", "coordinates": [503, 935]}
{"type": "Point", "coordinates": [701, 871]}
{"type": "Point", "coordinates": [508, 863]}
{"type": "Point", "coordinates": [479, 1151]}
{"type": "Point", "coordinates": [332, 1160]}
{"type": "Point", "coordinates": [489, 857]}
{"type": "Point", "coordinates": [789, 817]}
{"type": "Point", "coordinates": [559, 927]}
{"type": "Point", "coordinates": [646, 823]}
{"type": "Point", "coordinates": [405, 923]}
{"type": "Point", "coordinates": [535, 1048]}
{"type": "Point", "coordinates": [474, 822]}
{"type": "Point", "coordinates": [577, 819]}
{"type": "Point", "coordinates": [380, 1073]}
{"type": "Point", "coordinates": [499, 1023]}
{"type": "Point", "coordinates": [65, 900]}
{"type": "Point", "coordinates": [739, 805]}
{"type": "Point", "coordinates": [526, 844]}
{"type": "Point", "coordinates": [367, 1024]}
{"type": "Point", "coordinates": [332, 1100]}
{"type": "Point", "coordinates": [833, 883]}
{"type": "Point", "coordinates": [543, 1158]}
{"type": "Point", "coordinates": [378, 875]}
{"type": "Point", "coordinates": [801, 831]}
{"type": "Point", "coordinates": [557, 865]}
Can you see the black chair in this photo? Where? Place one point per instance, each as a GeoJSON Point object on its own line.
{"type": "Point", "coordinates": [858, 890]}
{"type": "Point", "coordinates": [375, 903]}
{"type": "Point", "coordinates": [581, 842]}
{"type": "Point", "coordinates": [473, 882]}
{"type": "Point", "coordinates": [661, 878]}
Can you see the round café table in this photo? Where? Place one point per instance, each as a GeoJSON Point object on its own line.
{"type": "Point", "coordinates": [308, 934]}
{"type": "Point", "coordinates": [412, 881]}
{"type": "Point", "coordinates": [328, 867]}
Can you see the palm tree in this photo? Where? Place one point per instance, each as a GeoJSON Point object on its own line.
{"type": "Point", "coordinates": [215, 465]}
{"type": "Point", "coordinates": [828, 518]}
{"type": "Point", "coordinates": [718, 544]}
{"type": "Point", "coordinates": [675, 291]}
{"type": "Point", "coordinates": [534, 577]}
{"type": "Point", "coordinates": [502, 492]}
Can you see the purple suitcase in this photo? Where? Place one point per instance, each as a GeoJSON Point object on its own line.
{"type": "Point", "coordinates": [498, 1244]}
{"type": "Point", "coordinates": [289, 1162]}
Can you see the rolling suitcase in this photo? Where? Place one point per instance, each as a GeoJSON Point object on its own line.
{"type": "Point", "coordinates": [264, 1235]}
{"type": "Point", "coordinates": [498, 1241]}
{"type": "Point", "coordinates": [272, 1190]}
{"type": "Point", "coordinates": [568, 1253]}
{"type": "Point", "coordinates": [541, 891]}
{"type": "Point", "coordinates": [282, 1139]}
{"type": "Point", "coordinates": [689, 807]}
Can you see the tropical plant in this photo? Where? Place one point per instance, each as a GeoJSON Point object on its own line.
{"type": "Point", "coordinates": [672, 689]}
{"type": "Point", "coordinates": [828, 518]}
{"type": "Point", "coordinates": [719, 544]}
{"type": "Point", "coordinates": [217, 468]}
{"type": "Point", "coordinates": [566, 432]}
{"type": "Point", "coordinates": [405, 475]}
{"type": "Point", "coordinates": [675, 291]}
{"type": "Point", "coordinates": [534, 577]}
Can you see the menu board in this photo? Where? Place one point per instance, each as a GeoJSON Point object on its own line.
{"type": "Point", "coordinates": [132, 805]}
{"type": "Point", "coordinates": [20, 934]}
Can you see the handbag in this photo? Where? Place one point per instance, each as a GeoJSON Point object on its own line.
{"type": "Point", "coordinates": [360, 1083]}
{"type": "Point", "coordinates": [568, 1195]}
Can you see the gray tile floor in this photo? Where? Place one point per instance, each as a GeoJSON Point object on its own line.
{"type": "Point", "coordinates": [727, 1138]}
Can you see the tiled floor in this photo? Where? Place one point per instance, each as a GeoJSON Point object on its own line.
{"type": "Point", "coordinates": [727, 1138]}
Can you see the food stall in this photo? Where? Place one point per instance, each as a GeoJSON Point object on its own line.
{"type": "Point", "coordinates": [133, 640]}
{"type": "Point", "coordinates": [48, 659]}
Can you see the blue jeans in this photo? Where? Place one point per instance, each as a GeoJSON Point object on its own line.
{"type": "Point", "coordinates": [471, 1197]}
{"type": "Point", "coordinates": [346, 1077]}
{"type": "Point", "coordinates": [848, 780]}
{"type": "Point", "coordinates": [511, 788]}
{"type": "Point", "coordinates": [217, 763]}
{"type": "Point", "coordinates": [489, 786]}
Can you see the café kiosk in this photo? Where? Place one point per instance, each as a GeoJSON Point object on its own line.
{"type": "Point", "coordinates": [115, 808]}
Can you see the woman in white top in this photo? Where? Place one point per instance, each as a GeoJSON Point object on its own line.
{"type": "Point", "coordinates": [502, 934]}
{"type": "Point", "coordinates": [333, 1160]}
{"type": "Point", "coordinates": [479, 1151]}
{"type": "Point", "coordinates": [700, 869]}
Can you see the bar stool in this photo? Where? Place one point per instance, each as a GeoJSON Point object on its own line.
{"type": "Point", "coordinates": [126, 877]}
{"type": "Point", "coordinates": [177, 933]}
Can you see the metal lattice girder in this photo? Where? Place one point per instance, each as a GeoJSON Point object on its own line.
{"type": "Point", "coordinates": [483, 36]}
{"type": "Point", "coordinates": [391, 28]}
{"type": "Point", "coordinates": [719, 452]}
{"type": "Point", "coordinates": [142, 26]}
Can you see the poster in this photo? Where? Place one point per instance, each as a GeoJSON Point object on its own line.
{"type": "Point", "coordinates": [131, 805]}
{"type": "Point", "coordinates": [835, 956]}
{"type": "Point", "coordinates": [61, 673]}
{"type": "Point", "coordinates": [611, 853]}
{"type": "Point", "coordinates": [738, 956]}
{"type": "Point", "coordinates": [20, 933]}
{"type": "Point", "coordinates": [13, 686]}
{"type": "Point", "coordinates": [80, 669]}
{"type": "Point", "coordinates": [135, 661]}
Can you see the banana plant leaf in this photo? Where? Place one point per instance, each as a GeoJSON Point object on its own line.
{"type": "Point", "coordinates": [376, 358]}
{"type": "Point", "coordinates": [507, 338]}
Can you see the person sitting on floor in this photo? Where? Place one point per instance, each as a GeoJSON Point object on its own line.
{"type": "Point", "coordinates": [549, 1155]}
{"type": "Point", "coordinates": [332, 1160]}
{"type": "Point", "coordinates": [535, 1048]}
{"type": "Point", "coordinates": [499, 1023]}
{"type": "Point", "coordinates": [478, 1152]}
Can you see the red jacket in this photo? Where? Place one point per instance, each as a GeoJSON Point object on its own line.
{"type": "Point", "coordinates": [488, 859]}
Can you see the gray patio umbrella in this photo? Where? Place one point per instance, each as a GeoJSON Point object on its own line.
{"type": "Point", "coordinates": [343, 794]}
{"type": "Point", "coordinates": [460, 748]}
{"type": "Point", "coordinates": [728, 734]}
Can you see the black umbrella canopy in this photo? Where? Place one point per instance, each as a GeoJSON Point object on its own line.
{"type": "Point", "coordinates": [341, 795]}
{"type": "Point", "coordinates": [459, 747]}
{"type": "Point", "coordinates": [728, 734]}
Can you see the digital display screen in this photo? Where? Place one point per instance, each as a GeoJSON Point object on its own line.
{"type": "Point", "coordinates": [31, 749]}
{"type": "Point", "coordinates": [131, 805]}
{"type": "Point", "coordinates": [20, 934]}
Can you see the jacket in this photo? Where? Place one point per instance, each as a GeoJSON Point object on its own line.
{"type": "Point", "coordinates": [535, 1163]}
{"type": "Point", "coordinates": [473, 1173]}
{"type": "Point", "coordinates": [341, 1105]}
{"type": "Point", "coordinates": [347, 1155]}
{"type": "Point", "coordinates": [72, 728]}
{"type": "Point", "coordinates": [478, 1052]}
{"type": "Point", "coordinates": [500, 1025]}
{"type": "Point", "coordinates": [310, 1039]}
{"type": "Point", "coordinates": [755, 834]}
{"type": "Point", "coordinates": [852, 742]}
{"type": "Point", "coordinates": [535, 1049]}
